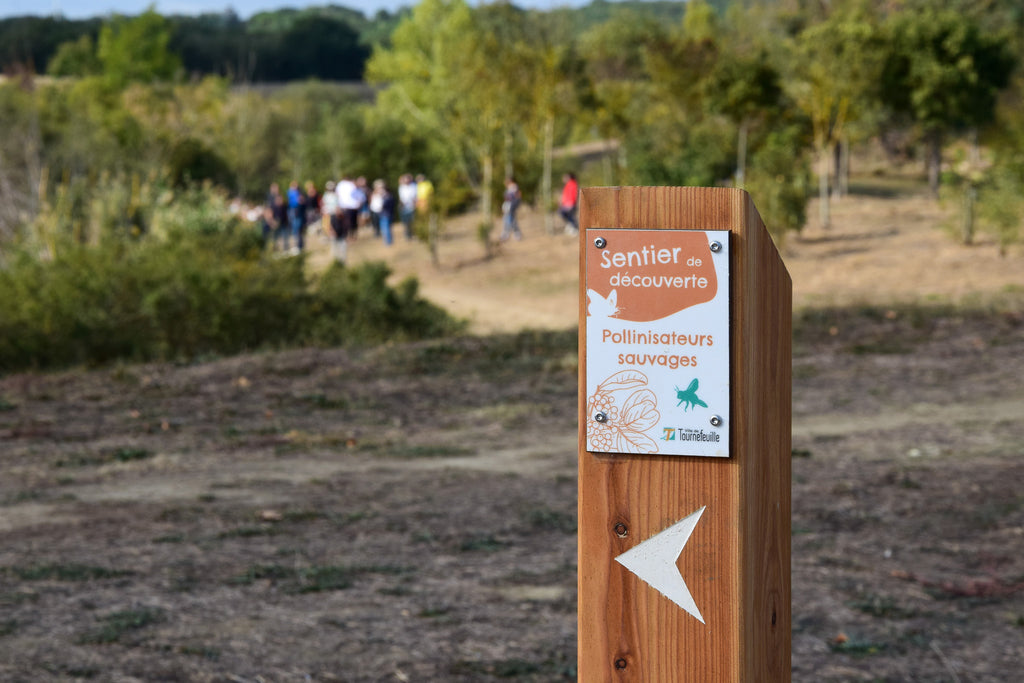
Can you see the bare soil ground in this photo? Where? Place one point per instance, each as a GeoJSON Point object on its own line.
{"type": "Point", "coordinates": [407, 513]}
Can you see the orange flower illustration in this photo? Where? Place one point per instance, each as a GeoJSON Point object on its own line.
{"type": "Point", "coordinates": [629, 409]}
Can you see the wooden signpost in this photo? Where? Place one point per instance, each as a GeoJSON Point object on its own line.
{"type": "Point", "coordinates": [684, 456]}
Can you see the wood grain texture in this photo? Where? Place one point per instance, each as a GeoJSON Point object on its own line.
{"type": "Point", "coordinates": [736, 564]}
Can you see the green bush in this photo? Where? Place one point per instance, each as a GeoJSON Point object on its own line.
{"type": "Point", "coordinates": [195, 293]}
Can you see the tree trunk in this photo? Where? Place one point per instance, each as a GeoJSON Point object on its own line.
{"type": "Point", "coordinates": [485, 191]}
{"type": "Point", "coordinates": [844, 167]}
{"type": "Point", "coordinates": [970, 199]}
{"type": "Point", "coordinates": [971, 194]}
{"type": "Point", "coordinates": [824, 163]}
{"type": "Point", "coordinates": [549, 143]}
{"type": "Point", "coordinates": [741, 154]}
{"type": "Point", "coordinates": [841, 168]}
{"type": "Point", "coordinates": [434, 237]}
{"type": "Point", "coordinates": [933, 140]}
{"type": "Point", "coordinates": [510, 170]}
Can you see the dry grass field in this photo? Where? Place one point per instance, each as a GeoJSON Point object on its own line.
{"type": "Point", "coordinates": [408, 512]}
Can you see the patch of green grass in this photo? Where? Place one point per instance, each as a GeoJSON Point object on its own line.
{"type": "Point", "coordinates": [326, 578]}
{"type": "Point", "coordinates": [298, 516]}
{"type": "Point", "coordinates": [248, 532]}
{"type": "Point", "coordinates": [325, 402]}
{"type": "Point", "coordinates": [118, 624]}
{"type": "Point", "coordinates": [880, 345]}
{"type": "Point", "coordinates": [881, 606]}
{"type": "Point", "coordinates": [484, 543]}
{"type": "Point", "coordinates": [126, 454]}
{"type": "Point", "coordinates": [546, 519]}
{"type": "Point", "coordinates": [988, 514]}
{"type": "Point", "coordinates": [170, 538]}
{"type": "Point", "coordinates": [26, 496]}
{"type": "Point", "coordinates": [857, 647]}
{"type": "Point", "coordinates": [405, 451]}
{"type": "Point", "coordinates": [209, 653]}
{"type": "Point", "coordinates": [313, 579]}
{"type": "Point", "coordinates": [516, 668]}
{"type": "Point", "coordinates": [258, 572]}
{"type": "Point", "coordinates": [11, 599]}
{"type": "Point", "coordinates": [70, 572]}
{"type": "Point", "coordinates": [413, 452]}
{"type": "Point", "coordinates": [6, 405]}
{"type": "Point", "coordinates": [8, 627]}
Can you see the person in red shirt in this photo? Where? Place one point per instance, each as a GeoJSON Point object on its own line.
{"type": "Point", "coordinates": [567, 205]}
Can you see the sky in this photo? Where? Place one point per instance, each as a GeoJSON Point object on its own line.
{"type": "Point", "coordinates": [81, 9]}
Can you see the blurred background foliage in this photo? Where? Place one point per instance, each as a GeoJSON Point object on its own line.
{"type": "Point", "coordinates": [126, 138]}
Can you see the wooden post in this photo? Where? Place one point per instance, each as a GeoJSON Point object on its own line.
{"type": "Point", "coordinates": [726, 617]}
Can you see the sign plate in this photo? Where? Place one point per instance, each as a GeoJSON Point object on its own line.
{"type": "Point", "coordinates": [658, 341]}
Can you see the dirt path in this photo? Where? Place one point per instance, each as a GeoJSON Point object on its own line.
{"type": "Point", "coordinates": [879, 250]}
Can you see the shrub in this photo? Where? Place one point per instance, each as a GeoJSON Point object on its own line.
{"type": "Point", "coordinates": [195, 293]}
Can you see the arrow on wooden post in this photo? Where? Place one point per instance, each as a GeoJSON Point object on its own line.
{"type": "Point", "coordinates": [654, 561]}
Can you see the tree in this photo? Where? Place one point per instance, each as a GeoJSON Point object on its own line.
{"type": "Point", "coordinates": [744, 88]}
{"type": "Point", "coordinates": [75, 58]}
{"type": "Point", "coordinates": [834, 65]}
{"type": "Point", "coordinates": [136, 49]}
{"type": "Point", "coordinates": [944, 74]}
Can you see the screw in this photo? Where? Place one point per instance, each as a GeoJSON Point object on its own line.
{"type": "Point", "coordinates": [600, 243]}
{"type": "Point", "coordinates": [716, 421]}
{"type": "Point", "coordinates": [620, 530]}
{"type": "Point", "coordinates": [716, 247]}
{"type": "Point", "coordinates": [601, 417]}
{"type": "Point", "coordinates": [620, 664]}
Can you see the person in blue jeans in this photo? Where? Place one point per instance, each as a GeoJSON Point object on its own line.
{"type": "Point", "coordinates": [382, 203]}
{"type": "Point", "coordinates": [297, 215]}
{"type": "Point", "coordinates": [509, 206]}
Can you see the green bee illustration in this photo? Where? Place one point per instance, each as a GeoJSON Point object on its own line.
{"type": "Point", "coordinates": [689, 397]}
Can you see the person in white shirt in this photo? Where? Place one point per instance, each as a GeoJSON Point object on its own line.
{"type": "Point", "coordinates": [407, 203]}
{"type": "Point", "coordinates": [350, 198]}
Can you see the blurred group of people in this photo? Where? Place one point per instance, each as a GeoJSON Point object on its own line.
{"type": "Point", "coordinates": [341, 210]}
{"type": "Point", "coordinates": [347, 205]}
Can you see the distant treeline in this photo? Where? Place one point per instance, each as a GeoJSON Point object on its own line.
{"type": "Point", "coordinates": [329, 42]}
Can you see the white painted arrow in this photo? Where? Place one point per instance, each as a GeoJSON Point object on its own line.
{"type": "Point", "coordinates": [654, 561]}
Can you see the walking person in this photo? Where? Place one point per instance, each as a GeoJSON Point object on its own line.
{"type": "Point", "coordinates": [270, 223]}
{"type": "Point", "coordinates": [313, 206]}
{"type": "Point", "coordinates": [512, 199]}
{"type": "Point", "coordinates": [382, 208]}
{"type": "Point", "coordinates": [407, 204]}
{"type": "Point", "coordinates": [350, 198]}
{"type": "Point", "coordinates": [297, 216]}
{"type": "Point", "coordinates": [336, 222]}
{"type": "Point", "coordinates": [567, 205]}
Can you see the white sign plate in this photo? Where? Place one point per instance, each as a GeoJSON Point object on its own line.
{"type": "Point", "coordinates": [658, 341]}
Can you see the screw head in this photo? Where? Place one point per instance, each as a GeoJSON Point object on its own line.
{"type": "Point", "coordinates": [600, 243]}
{"type": "Point", "coordinates": [601, 417]}
{"type": "Point", "coordinates": [716, 247]}
{"type": "Point", "coordinates": [621, 664]}
{"type": "Point", "coordinates": [716, 421]}
{"type": "Point", "coordinates": [621, 531]}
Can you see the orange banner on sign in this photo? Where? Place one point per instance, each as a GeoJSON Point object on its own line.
{"type": "Point", "coordinates": [646, 275]}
